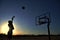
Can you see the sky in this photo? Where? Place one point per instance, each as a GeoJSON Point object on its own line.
{"type": "Point", "coordinates": [24, 22]}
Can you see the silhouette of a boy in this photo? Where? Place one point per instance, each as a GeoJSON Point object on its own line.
{"type": "Point", "coordinates": [11, 27]}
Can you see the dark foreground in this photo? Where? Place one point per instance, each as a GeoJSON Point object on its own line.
{"type": "Point", "coordinates": [30, 37]}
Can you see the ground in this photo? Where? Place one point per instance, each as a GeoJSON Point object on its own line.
{"type": "Point", "coordinates": [30, 37]}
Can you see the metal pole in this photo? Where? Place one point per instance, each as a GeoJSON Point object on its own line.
{"type": "Point", "coordinates": [48, 29]}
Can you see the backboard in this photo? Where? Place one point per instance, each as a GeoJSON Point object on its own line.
{"type": "Point", "coordinates": [42, 19]}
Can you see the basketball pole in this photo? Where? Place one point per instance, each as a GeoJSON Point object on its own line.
{"type": "Point", "coordinates": [48, 28]}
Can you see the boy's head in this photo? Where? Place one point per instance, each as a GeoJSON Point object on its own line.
{"type": "Point", "coordinates": [10, 22]}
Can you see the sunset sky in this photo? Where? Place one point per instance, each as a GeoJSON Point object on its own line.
{"type": "Point", "coordinates": [24, 22]}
